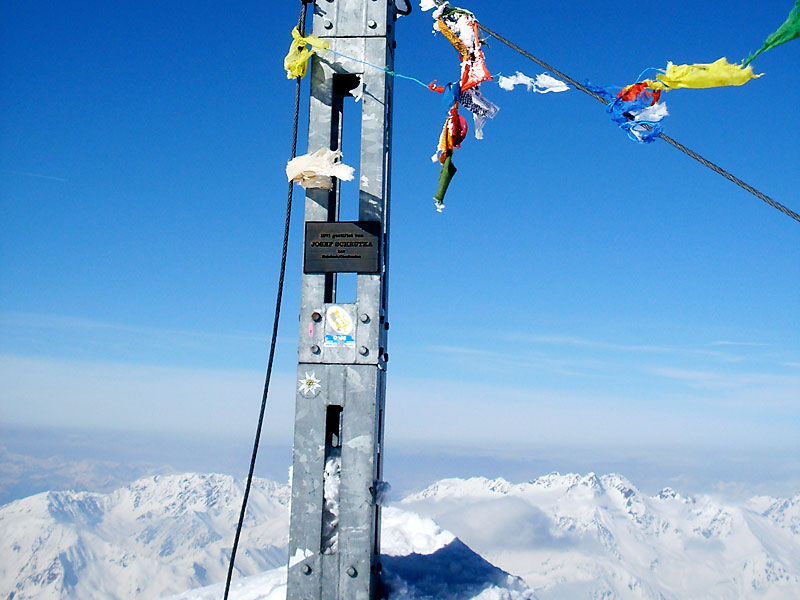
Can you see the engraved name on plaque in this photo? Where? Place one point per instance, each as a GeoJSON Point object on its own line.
{"type": "Point", "coordinates": [342, 247]}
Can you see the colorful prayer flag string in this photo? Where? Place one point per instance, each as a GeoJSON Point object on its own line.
{"type": "Point", "coordinates": [461, 29]}
{"type": "Point", "coordinates": [634, 108]}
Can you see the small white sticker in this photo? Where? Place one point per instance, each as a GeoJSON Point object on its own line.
{"type": "Point", "coordinates": [310, 386]}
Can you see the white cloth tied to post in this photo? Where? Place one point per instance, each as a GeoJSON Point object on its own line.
{"type": "Point", "coordinates": [316, 169]}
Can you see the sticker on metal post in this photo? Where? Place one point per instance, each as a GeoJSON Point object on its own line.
{"type": "Point", "coordinates": [340, 322]}
{"type": "Point", "coordinates": [332, 341]}
{"type": "Point", "coordinates": [339, 319]}
{"type": "Point", "coordinates": [309, 385]}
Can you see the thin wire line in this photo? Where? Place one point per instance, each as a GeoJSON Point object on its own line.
{"type": "Point", "coordinates": [384, 69]}
{"type": "Point", "coordinates": [704, 161]}
{"type": "Point", "coordinates": [278, 301]}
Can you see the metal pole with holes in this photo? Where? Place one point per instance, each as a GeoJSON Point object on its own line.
{"type": "Point", "coordinates": [334, 540]}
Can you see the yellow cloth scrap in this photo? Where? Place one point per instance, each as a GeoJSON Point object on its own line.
{"type": "Point", "coordinates": [296, 62]}
{"type": "Point", "coordinates": [717, 74]}
{"type": "Point", "coordinates": [457, 43]}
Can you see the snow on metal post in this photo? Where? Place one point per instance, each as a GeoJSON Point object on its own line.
{"type": "Point", "coordinates": [334, 539]}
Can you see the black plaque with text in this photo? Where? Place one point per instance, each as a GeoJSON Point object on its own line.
{"type": "Point", "coordinates": [349, 247]}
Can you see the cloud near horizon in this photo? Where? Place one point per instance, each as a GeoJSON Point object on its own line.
{"type": "Point", "coordinates": [95, 394]}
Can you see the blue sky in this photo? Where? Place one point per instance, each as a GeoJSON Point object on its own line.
{"type": "Point", "coordinates": [578, 288]}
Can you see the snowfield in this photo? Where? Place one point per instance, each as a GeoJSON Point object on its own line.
{"type": "Point", "coordinates": [559, 536]}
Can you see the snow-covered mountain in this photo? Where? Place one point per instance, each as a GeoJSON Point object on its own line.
{"type": "Point", "coordinates": [420, 562]}
{"type": "Point", "coordinates": [166, 534]}
{"type": "Point", "coordinates": [159, 535]}
{"type": "Point", "coordinates": [572, 536]}
{"type": "Point", "coordinates": [566, 536]}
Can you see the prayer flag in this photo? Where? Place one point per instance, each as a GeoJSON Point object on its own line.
{"type": "Point", "coordinates": [445, 176]}
{"type": "Point", "coordinates": [543, 83]}
{"type": "Point", "coordinates": [703, 75]}
{"type": "Point", "coordinates": [635, 109]}
{"type": "Point", "coordinates": [453, 133]}
{"type": "Point", "coordinates": [790, 30]}
{"type": "Point", "coordinates": [639, 91]}
{"type": "Point", "coordinates": [461, 29]}
{"type": "Point", "coordinates": [481, 108]}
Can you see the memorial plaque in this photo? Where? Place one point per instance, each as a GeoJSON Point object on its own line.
{"type": "Point", "coordinates": [347, 247]}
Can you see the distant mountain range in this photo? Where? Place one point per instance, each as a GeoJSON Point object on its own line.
{"type": "Point", "coordinates": [22, 475]}
{"type": "Point", "coordinates": [565, 536]}
{"type": "Point", "coordinates": [572, 536]}
{"type": "Point", "coordinates": [158, 536]}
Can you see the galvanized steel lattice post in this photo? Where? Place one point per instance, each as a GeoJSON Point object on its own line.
{"type": "Point", "coordinates": [334, 541]}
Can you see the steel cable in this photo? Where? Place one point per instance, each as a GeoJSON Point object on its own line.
{"type": "Point", "coordinates": [731, 177]}
{"type": "Point", "coordinates": [704, 161]}
{"type": "Point", "coordinates": [301, 27]}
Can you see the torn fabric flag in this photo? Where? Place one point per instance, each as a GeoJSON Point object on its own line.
{"type": "Point", "coordinates": [790, 30]}
{"type": "Point", "coordinates": [653, 113]}
{"type": "Point", "coordinates": [508, 83]}
{"type": "Point", "coordinates": [634, 108]}
{"type": "Point", "coordinates": [451, 93]}
{"type": "Point", "coordinates": [720, 73]}
{"type": "Point", "coordinates": [316, 169]}
{"type": "Point", "coordinates": [480, 107]}
{"type": "Point", "coordinates": [453, 133]}
{"type": "Point", "coordinates": [637, 95]}
{"type": "Point", "coordinates": [445, 176]}
{"type": "Point", "coordinates": [301, 49]}
{"type": "Point", "coordinates": [645, 116]}
{"type": "Point", "coordinates": [543, 83]}
{"type": "Point", "coordinates": [639, 91]}
{"type": "Point", "coordinates": [461, 29]}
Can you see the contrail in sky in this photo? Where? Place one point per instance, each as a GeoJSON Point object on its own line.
{"type": "Point", "coordinates": [36, 175]}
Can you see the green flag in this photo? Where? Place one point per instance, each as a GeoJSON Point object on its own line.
{"type": "Point", "coordinates": [445, 175]}
{"type": "Point", "coordinates": [787, 32]}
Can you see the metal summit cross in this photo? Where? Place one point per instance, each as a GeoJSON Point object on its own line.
{"type": "Point", "coordinates": [334, 538]}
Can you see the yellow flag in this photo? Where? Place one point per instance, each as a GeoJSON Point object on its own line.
{"type": "Point", "coordinates": [717, 74]}
{"type": "Point", "coordinates": [296, 62]}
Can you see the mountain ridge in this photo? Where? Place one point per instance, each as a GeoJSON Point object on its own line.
{"type": "Point", "coordinates": [566, 536]}
{"type": "Point", "coordinates": [602, 529]}
{"type": "Point", "coordinates": [143, 538]}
